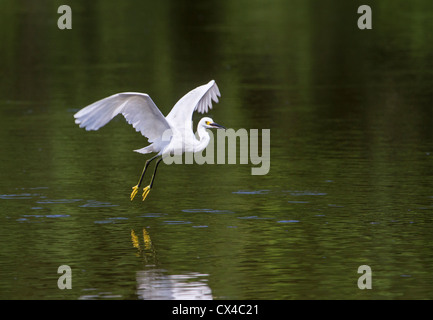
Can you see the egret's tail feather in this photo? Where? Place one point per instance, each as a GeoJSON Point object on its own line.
{"type": "Point", "coordinates": [148, 149]}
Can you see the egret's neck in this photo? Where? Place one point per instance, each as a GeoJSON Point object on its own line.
{"type": "Point", "coordinates": [203, 141]}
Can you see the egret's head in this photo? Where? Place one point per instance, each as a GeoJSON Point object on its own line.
{"type": "Point", "coordinates": [207, 122]}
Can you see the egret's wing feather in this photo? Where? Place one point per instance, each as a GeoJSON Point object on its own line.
{"type": "Point", "coordinates": [200, 99]}
{"type": "Point", "coordinates": [138, 109]}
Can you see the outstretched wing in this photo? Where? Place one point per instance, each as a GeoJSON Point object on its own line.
{"type": "Point", "coordinates": [199, 99]}
{"type": "Point", "coordinates": [138, 109]}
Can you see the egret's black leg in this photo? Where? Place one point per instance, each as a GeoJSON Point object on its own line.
{"type": "Point", "coordinates": [145, 168]}
{"type": "Point", "coordinates": [154, 173]}
{"type": "Point", "coordinates": [135, 188]}
{"type": "Point", "coordinates": [147, 189]}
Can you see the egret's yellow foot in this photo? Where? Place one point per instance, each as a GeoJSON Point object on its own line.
{"type": "Point", "coordinates": [134, 192]}
{"type": "Point", "coordinates": [146, 192]}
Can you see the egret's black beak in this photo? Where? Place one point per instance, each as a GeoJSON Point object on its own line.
{"type": "Point", "coordinates": [218, 126]}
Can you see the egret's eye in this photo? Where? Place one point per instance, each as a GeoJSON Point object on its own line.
{"type": "Point", "coordinates": [208, 122]}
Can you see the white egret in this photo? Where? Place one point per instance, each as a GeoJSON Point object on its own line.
{"type": "Point", "coordinates": [168, 135]}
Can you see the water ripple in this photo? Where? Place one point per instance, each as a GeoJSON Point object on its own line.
{"type": "Point", "coordinates": [288, 221]}
{"type": "Point", "coordinates": [206, 211]}
{"type": "Point", "coordinates": [97, 204]}
{"type": "Point", "coordinates": [55, 201]}
{"type": "Point", "coordinates": [251, 192]}
{"type": "Point", "coordinates": [176, 222]}
{"type": "Point", "coordinates": [16, 196]}
{"type": "Point", "coordinates": [305, 193]}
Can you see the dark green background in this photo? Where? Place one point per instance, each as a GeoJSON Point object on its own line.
{"type": "Point", "coordinates": [351, 178]}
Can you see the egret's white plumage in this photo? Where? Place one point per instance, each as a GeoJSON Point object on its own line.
{"type": "Point", "coordinates": [141, 112]}
{"type": "Point", "coordinates": [167, 135]}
